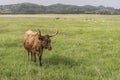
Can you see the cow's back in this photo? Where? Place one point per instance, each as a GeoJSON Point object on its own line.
{"type": "Point", "coordinates": [28, 33]}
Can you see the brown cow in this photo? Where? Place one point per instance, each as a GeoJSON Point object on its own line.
{"type": "Point", "coordinates": [34, 43]}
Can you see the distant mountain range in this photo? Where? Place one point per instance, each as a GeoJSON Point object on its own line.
{"type": "Point", "coordinates": [30, 8]}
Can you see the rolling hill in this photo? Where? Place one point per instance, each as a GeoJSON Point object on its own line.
{"type": "Point", "coordinates": [30, 8]}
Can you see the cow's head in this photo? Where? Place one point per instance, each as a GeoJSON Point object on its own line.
{"type": "Point", "coordinates": [46, 41]}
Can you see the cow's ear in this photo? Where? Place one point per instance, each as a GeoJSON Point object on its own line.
{"type": "Point", "coordinates": [41, 38]}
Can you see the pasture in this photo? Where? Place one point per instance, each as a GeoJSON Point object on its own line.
{"type": "Point", "coordinates": [87, 47]}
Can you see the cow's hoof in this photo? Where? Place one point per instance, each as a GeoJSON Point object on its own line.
{"type": "Point", "coordinates": [34, 61]}
{"type": "Point", "coordinates": [40, 64]}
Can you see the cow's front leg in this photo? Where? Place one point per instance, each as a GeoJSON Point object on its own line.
{"type": "Point", "coordinates": [40, 56]}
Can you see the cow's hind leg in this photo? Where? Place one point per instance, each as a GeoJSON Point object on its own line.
{"type": "Point", "coordinates": [34, 57]}
{"type": "Point", "coordinates": [31, 56]}
{"type": "Point", "coordinates": [40, 58]}
{"type": "Point", "coordinates": [28, 56]}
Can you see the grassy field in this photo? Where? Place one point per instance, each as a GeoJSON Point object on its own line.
{"type": "Point", "coordinates": [86, 48]}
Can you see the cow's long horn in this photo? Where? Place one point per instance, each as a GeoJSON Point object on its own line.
{"type": "Point", "coordinates": [54, 34]}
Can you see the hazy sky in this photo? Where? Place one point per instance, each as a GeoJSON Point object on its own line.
{"type": "Point", "coordinates": [110, 3]}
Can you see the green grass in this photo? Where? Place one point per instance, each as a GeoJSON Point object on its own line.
{"type": "Point", "coordinates": [86, 48]}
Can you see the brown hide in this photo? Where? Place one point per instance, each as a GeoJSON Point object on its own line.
{"type": "Point", "coordinates": [31, 42]}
